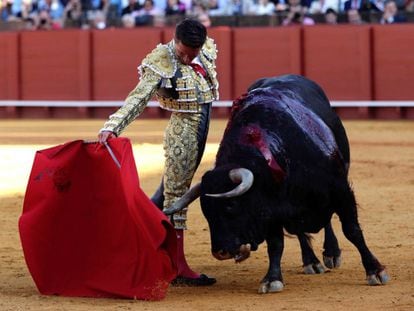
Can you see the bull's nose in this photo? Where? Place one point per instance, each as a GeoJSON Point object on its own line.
{"type": "Point", "coordinates": [244, 252]}
{"type": "Point", "coordinates": [221, 255]}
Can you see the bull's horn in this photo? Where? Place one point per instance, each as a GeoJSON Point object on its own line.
{"type": "Point", "coordinates": [186, 199]}
{"type": "Point", "coordinates": [237, 175]}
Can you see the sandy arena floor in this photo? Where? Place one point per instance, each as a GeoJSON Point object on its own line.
{"type": "Point", "coordinates": [382, 174]}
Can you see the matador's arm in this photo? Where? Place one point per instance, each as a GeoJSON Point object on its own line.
{"type": "Point", "coordinates": [134, 104]}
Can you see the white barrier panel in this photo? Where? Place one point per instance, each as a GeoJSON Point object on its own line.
{"type": "Point", "coordinates": [47, 103]}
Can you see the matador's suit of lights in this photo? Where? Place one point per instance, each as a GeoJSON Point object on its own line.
{"type": "Point", "coordinates": [188, 94]}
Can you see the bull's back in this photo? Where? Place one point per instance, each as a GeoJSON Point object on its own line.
{"type": "Point", "coordinates": [311, 95]}
{"type": "Point", "coordinates": [287, 127]}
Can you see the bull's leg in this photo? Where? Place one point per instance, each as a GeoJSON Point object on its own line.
{"type": "Point", "coordinates": [332, 252]}
{"type": "Point", "coordinates": [273, 281]}
{"type": "Point", "coordinates": [311, 263]}
{"type": "Point", "coordinates": [375, 271]}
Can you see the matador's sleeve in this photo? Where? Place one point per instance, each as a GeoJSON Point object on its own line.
{"type": "Point", "coordinates": [135, 103]}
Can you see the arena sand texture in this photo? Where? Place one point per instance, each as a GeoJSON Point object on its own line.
{"type": "Point", "coordinates": [382, 175]}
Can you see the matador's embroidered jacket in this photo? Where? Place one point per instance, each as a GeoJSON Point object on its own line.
{"type": "Point", "coordinates": [177, 86]}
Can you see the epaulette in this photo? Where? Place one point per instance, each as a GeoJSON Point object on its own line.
{"type": "Point", "coordinates": [209, 49]}
{"type": "Point", "coordinates": [161, 61]}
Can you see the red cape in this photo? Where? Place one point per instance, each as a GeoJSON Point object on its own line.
{"type": "Point", "coordinates": [87, 228]}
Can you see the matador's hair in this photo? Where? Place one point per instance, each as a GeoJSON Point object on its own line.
{"type": "Point", "coordinates": [191, 33]}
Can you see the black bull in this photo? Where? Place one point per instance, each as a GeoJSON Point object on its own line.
{"type": "Point", "coordinates": [282, 164]}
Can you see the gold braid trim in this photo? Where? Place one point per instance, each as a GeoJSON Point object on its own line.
{"type": "Point", "coordinates": [210, 49]}
{"type": "Point", "coordinates": [208, 57]}
{"type": "Point", "coordinates": [161, 60]}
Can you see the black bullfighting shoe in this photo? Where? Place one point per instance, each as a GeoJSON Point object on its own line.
{"type": "Point", "coordinates": [202, 280]}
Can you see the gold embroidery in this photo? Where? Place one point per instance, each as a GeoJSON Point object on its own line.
{"type": "Point", "coordinates": [181, 152]}
{"type": "Point", "coordinates": [162, 61]}
{"type": "Point", "coordinates": [180, 84]}
{"type": "Point", "coordinates": [135, 103]}
{"type": "Point", "coordinates": [210, 49]}
{"type": "Point", "coordinates": [174, 105]}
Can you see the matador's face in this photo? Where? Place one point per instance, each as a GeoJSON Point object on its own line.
{"type": "Point", "coordinates": [185, 53]}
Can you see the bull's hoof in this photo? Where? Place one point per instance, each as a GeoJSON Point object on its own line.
{"type": "Point", "coordinates": [332, 262]}
{"type": "Point", "coordinates": [380, 278]}
{"type": "Point", "coordinates": [315, 268]}
{"type": "Point", "coordinates": [270, 287]}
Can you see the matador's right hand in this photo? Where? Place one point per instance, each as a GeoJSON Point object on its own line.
{"type": "Point", "coordinates": [105, 135]}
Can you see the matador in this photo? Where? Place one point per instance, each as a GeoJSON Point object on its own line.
{"type": "Point", "coordinates": [182, 75]}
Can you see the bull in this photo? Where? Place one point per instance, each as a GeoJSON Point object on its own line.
{"type": "Point", "coordinates": [282, 165]}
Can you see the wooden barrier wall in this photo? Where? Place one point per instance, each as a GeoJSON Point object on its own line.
{"type": "Point", "coordinates": [116, 56]}
{"type": "Point", "coordinates": [339, 59]}
{"type": "Point", "coordinates": [9, 66]}
{"type": "Point", "coordinates": [370, 62]}
{"type": "Point", "coordinates": [393, 55]}
{"type": "Point", "coordinates": [55, 65]}
{"type": "Point", "coordinates": [264, 52]}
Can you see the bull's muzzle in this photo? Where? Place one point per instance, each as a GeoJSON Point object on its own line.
{"type": "Point", "coordinates": [242, 254]}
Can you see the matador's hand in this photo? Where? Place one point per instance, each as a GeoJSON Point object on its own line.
{"type": "Point", "coordinates": [105, 135]}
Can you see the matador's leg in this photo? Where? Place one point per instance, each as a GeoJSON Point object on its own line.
{"type": "Point", "coordinates": [158, 197]}
{"type": "Point", "coordinates": [184, 143]}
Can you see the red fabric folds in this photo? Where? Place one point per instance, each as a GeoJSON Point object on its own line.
{"type": "Point", "coordinates": [87, 228]}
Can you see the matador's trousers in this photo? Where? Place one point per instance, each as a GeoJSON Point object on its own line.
{"type": "Point", "coordinates": [184, 142]}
